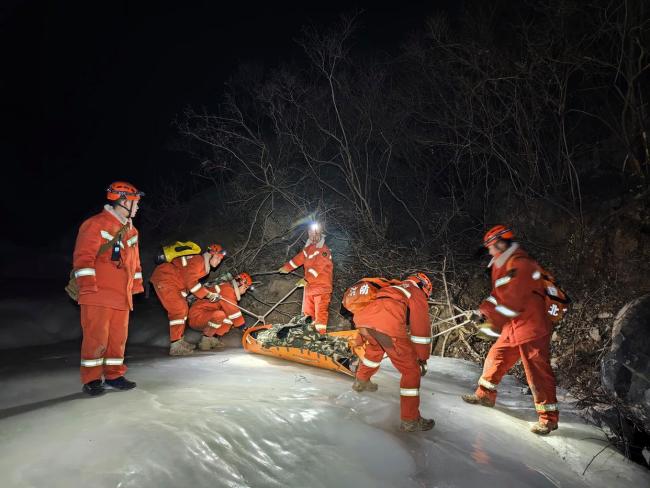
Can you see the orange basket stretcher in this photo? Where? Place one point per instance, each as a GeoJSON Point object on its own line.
{"type": "Point", "coordinates": [304, 356]}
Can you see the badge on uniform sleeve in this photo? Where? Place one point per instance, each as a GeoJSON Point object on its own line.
{"type": "Point", "coordinates": [324, 254]}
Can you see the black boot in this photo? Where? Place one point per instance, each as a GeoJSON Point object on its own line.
{"type": "Point", "coordinates": [120, 383]}
{"type": "Point", "coordinates": [94, 388]}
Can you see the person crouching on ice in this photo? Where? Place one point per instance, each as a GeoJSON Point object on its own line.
{"type": "Point", "coordinates": [174, 281]}
{"type": "Point", "coordinates": [316, 258]}
{"type": "Point", "coordinates": [517, 306]}
{"type": "Point", "coordinates": [216, 314]}
{"type": "Point", "coordinates": [397, 323]}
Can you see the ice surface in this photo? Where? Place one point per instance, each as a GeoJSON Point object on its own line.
{"type": "Point", "coordinates": [234, 419]}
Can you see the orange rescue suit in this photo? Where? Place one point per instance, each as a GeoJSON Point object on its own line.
{"type": "Point", "coordinates": [106, 290]}
{"type": "Point", "coordinates": [174, 281]}
{"type": "Point", "coordinates": [397, 323]}
{"type": "Point", "coordinates": [217, 318]}
{"type": "Point", "coordinates": [319, 270]}
{"type": "Point", "coordinates": [517, 307]}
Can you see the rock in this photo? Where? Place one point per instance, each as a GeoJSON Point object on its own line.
{"type": "Point", "coordinates": [594, 333]}
{"type": "Point", "coordinates": [625, 371]}
{"type": "Point", "coordinates": [605, 315]}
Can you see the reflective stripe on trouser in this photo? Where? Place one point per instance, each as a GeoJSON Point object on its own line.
{"type": "Point", "coordinates": [104, 337]}
{"type": "Point", "coordinates": [176, 306]}
{"type": "Point", "coordinates": [404, 358]}
{"type": "Point", "coordinates": [316, 305]}
{"type": "Point", "coordinates": [205, 318]}
{"type": "Point", "coordinates": [535, 357]}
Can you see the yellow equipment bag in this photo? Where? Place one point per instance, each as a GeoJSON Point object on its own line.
{"type": "Point", "coordinates": [177, 249]}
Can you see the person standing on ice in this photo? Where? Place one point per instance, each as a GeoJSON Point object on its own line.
{"type": "Point", "coordinates": [174, 281]}
{"type": "Point", "coordinates": [517, 307]}
{"type": "Point", "coordinates": [215, 318]}
{"type": "Point", "coordinates": [106, 264]}
{"type": "Point", "coordinates": [316, 258]}
{"type": "Point", "coordinates": [397, 323]}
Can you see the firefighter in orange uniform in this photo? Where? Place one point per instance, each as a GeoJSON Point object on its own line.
{"type": "Point", "coordinates": [107, 280]}
{"type": "Point", "coordinates": [397, 323]}
{"type": "Point", "coordinates": [316, 258]}
{"type": "Point", "coordinates": [216, 318]}
{"type": "Point", "coordinates": [362, 293]}
{"type": "Point", "coordinates": [174, 281]}
{"type": "Point", "coordinates": [517, 307]}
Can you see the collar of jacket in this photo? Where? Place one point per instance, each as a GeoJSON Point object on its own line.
{"type": "Point", "coordinates": [501, 259]}
{"type": "Point", "coordinates": [206, 261]}
{"type": "Point", "coordinates": [120, 218]}
{"type": "Point", "coordinates": [236, 288]}
{"type": "Point", "coordinates": [319, 244]}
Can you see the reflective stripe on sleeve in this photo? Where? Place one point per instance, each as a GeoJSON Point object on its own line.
{"type": "Point", "coordinates": [184, 261]}
{"type": "Point", "coordinates": [227, 321]}
{"type": "Point", "coordinates": [407, 294]}
{"type": "Point", "coordinates": [213, 325]}
{"type": "Point", "coordinates": [486, 384]}
{"type": "Point", "coordinates": [492, 300]}
{"type": "Point", "coordinates": [503, 310]}
{"type": "Point", "coordinates": [313, 272]}
{"type": "Point", "coordinates": [132, 241]}
{"type": "Point", "coordinates": [369, 363]}
{"type": "Point", "coordinates": [184, 294]}
{"type": "Point", "coordinates": [84, 272]}
{"type": "Point", "coordinates": [235, 315]}
{"type": "Point", "coordinates": [313, 255]}
{"type": "Point", "coordinates": [320, 327]}
{"type": "Point", "coordinates": [113, 361]}
{"type": "Point", "coordinates": [420, 339]}
{"type": "Point", "coordinates": [176, 322]}
{"type": "Point", "coordinates": [305, 253]}
{"type": "Point", "coordinates": [502, 281]}
{"type": "Point", "coordinates": [91, 363]}
{"type": "Point", "coordinates": [106, 235]}
{"type": "Point", "coordinates": [137, 276]}
{"type": "Point", "coordinates": [411, 392]}
{"type": "Point", "coordinates": [546, 407]}
{"type": "Point", "coordinates": [537, 275]}
{"type": "Point", "coordinates": [292, 264]}
{"type": "Point", "coordinates": [196, 288]}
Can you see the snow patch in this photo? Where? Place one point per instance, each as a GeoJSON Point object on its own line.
{"type": "Point", "coordinates": [238, 420]}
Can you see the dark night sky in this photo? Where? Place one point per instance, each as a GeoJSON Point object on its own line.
{"type": "Point", "coordinates": [90, 89]}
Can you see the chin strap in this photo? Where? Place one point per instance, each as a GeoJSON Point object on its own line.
{"type": "Point", "coordinates": [129, 216]}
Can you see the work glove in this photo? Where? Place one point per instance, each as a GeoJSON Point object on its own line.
{"type": "Point", "coordinates": [301, 283]}
{"type": "Point", "coordinates": [282, 270]}
{"type": "Point", "coordinates": [476, 317]}
{"type": "Point", "coordinates": [423, 367]}
{"type": "Point", "coordinates": [212, 296]}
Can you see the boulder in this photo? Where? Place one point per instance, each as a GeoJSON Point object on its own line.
{"type": "Point", "coordinates": [625, 372]}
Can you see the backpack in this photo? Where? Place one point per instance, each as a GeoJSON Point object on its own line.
{"type": "Point", "coordinates": [72, 288]}
{"type": "Point", "coordinates": [557, 300]}
{"type": "Point", "coordinates": [177, 249]}
{"type": "Point", "coordinates": [363, 292]}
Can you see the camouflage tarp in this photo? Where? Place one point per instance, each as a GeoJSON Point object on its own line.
{"type": "Point", "coordinates": [301, 334]}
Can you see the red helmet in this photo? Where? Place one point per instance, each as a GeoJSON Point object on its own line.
{"type": "Point", "coordinates": [423, 282]}
{"type": "Point", "coordinates": [122, 189]}
{"type": "Point", "coordinates": [497, 232]}
{"type": "Point", "coordinates": [244, 279]}
{"type": "Point", "coordinates": [215, 249]}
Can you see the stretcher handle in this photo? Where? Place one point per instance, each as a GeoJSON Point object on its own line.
{"type": "Point", "coordinates": [263, 317]}
{"type": "Point", "coordinates": [468, 321]}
